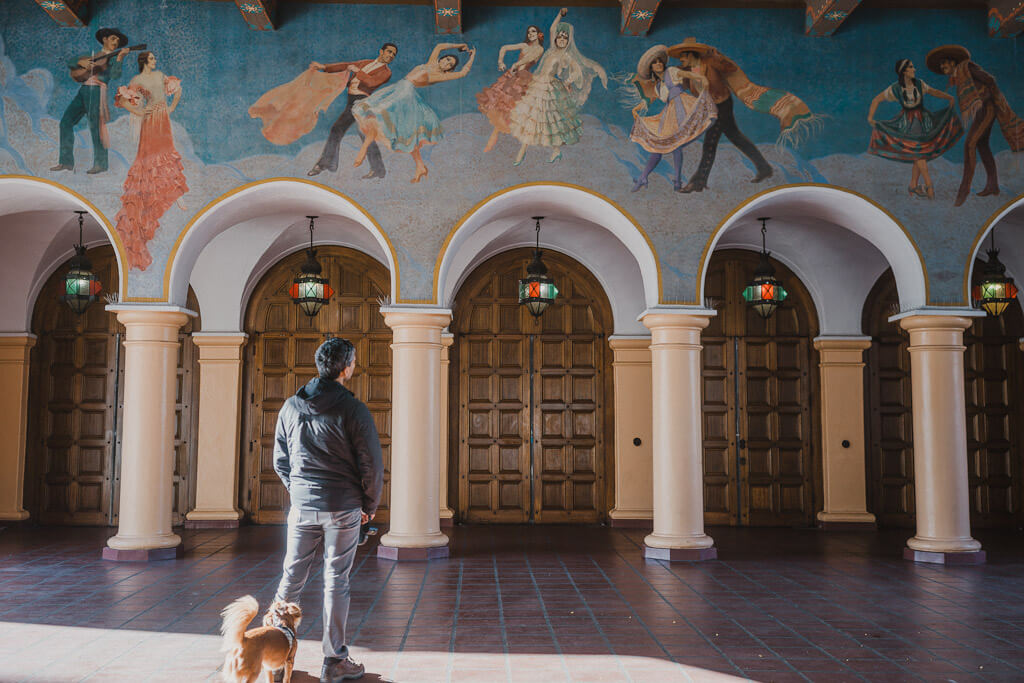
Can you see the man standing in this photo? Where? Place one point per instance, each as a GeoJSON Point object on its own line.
{"type": "Point", "coordinates": [367, 76]}
{"type": "Point", "coordinates": [717, 68]}
{"type": "Point", "coordinates": [91, 100]}
{"type": "Point", "coordinates": [981, 104]}
{"type": "Point", "coordinates": [327, 453]}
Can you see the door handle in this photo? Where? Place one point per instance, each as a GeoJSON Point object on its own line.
{"type": "Point", "coordinates": [743, 444]}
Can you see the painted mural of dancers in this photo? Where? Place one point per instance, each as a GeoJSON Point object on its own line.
{"type": "Point", "coordinates": [548, 114]}
{"type": "Point", "coordinates": [496, 101]}
{"type": "Point", "coordinates": [681, 121]}
{"type": "Point", "coordinates": [156, 179]}
{"type": "Point", "coordinates": [397, 117]}
{"type": "Point", "coordinates": [981, 105]}
{"type": "Point", "coordinates": [916, 135]}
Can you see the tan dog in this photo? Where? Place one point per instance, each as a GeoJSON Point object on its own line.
{"type": "Point", "coordinates": [267, 648]}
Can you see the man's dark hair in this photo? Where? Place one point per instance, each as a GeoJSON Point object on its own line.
{"type": "Point", "coordinates": [333, 356]}
{"type": "Point", "coordinates": [389, 45]}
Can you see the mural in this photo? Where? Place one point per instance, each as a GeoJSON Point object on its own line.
{"type": "Point", "coordinates": [268, 105]}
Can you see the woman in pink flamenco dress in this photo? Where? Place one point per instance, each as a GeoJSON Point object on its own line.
{"type": "Point", "coordinates": [156, 178]}
{"type": "Point", "coordinates": [496, 101]}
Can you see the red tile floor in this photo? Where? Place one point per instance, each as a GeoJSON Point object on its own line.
{"type": "Point", "coordinates": [530, 604]}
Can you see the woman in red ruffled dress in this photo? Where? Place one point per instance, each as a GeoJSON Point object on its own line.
{"type": "Point", "coordinates": [157, 178]}
{"type": "Point", "coordinates": [496, 101]}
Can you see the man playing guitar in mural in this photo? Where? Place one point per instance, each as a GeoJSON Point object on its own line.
{"type": "Point", "coordinates": [94, 72]}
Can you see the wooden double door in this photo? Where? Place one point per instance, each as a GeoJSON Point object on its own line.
{"type": "Point", "coordinates": [758, 382]}
{"type": "Point", "coordinates": [993, 381]}
{"type": "Point", "coordinates": [77, 374]}
{"type": "Point", "coordinates": [279, 359]}
{"type": "Point", "coordinates": [531, 398]}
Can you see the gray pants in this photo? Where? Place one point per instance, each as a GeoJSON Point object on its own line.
{"type": "Point", "coordinates": [338, 533]}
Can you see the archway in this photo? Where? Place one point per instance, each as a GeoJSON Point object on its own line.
{"type": "Point", "coordinates": [761, 466]}
{"type": "Point", "coordinates": [279, 359]}
{"type": "Point", "coordinates": [75, 404]}
{"type": "Point", "coordinates": [531, 429]}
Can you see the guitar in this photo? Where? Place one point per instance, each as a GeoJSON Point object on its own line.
{"type": "Point", "coordinates": [94, 64]}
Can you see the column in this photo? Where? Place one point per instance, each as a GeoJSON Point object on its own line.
{"type": "Point", "coordinates": [147, 437]}
{"type": "Point", "coordinates": [415, 531]}
{"type": "Point", "coordinates": [940, 440]}
{"type": "Point", "coordinates": [14, 369]}
{"type": "Point", "coordinates": [677, 442]}
{"type": "Point", "coordinates": [220, 416]}
{"type": "Point", "coordinates": [446, 513]}
{"type": "Point", "coordinates": [842, 433]}
{"type": "Point", "coordinates": [634, 473]}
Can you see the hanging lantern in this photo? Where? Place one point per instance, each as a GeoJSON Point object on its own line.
{"type": "Point", "coordinates": [81, 286]}
{"type": "Point", "coordinates": [537, 291]}
{"type": "Point", "coordinates": [996, 291]}
{"type": "Point", "coordinates": [765, 292]}
{"type": "Point", "coordinates": [309, 290]}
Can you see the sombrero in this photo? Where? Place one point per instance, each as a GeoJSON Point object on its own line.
{"type": "Point", "coordinates": [958, 53]}
{"type": "Point", "coordinates": [103, 33]}
{"type": "Point", "coordinates": [689, 45]}
{"type": "Point", "coordinates": [643, 67]}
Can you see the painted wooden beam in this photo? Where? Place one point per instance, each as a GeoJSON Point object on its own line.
{"type": "Point", "coordinates": [637, 16]}
{"type": "Point", "coordinates": [825, 16]}
{"type": "Point", "coordinates": [259, 14]}
{"type": "Point", "coordinates": [66, 12]}
{"type": "Point", "coordinates": [448, 16]}
{"type": "Point", "coordinates": [1005, 18]}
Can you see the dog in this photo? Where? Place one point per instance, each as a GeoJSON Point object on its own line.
{"type": "Point", "coordinates": [268, 648]}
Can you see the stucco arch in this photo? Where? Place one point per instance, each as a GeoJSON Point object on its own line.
{"type": "Point", "coordinates": [40, 231]}
{"type": "Point", "coordinates": [836, 241]}
{"type": "Point", "coordinates": [578, 222]}
{"type": "Point", "coordinates": [236, 238]}
{"type": "Point", "coordinates": [1009, 240]}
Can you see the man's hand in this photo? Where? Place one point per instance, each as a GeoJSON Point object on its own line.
{"type": "Point", "coordinates": [122, 53]}
{"type": "Point", "coordinates": [365, 518]}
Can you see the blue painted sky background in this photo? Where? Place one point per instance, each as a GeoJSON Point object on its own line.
{"type": "Point", "coordinates": [225, 66]}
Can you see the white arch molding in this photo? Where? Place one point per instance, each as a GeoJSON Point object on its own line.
{"type": "Point", "coordinates": [39, 230]}
{"type": "Point", "coordinates": [578, 223]}
{"type": "Point", "coordinates": [232, 243]}
{"type": "Point", "coordinates": [1008, 224]}
{"type": "Point", "coordinates": [837, 242]}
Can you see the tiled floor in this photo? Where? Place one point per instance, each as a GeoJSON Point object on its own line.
{"type": "Point", "coordinates": [531, 604]}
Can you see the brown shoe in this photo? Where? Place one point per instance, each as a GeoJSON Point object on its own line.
{"type": "Point", "coordinates": [335, 670]}
{"type": "Point", "coordinates": [62, 167]}
{"type": "Point", "coordinates": [691, 187]}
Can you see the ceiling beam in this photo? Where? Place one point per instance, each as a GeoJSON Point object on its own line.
{"type": "Point", "coordinates": [66, 12]}
{"type": "Point", "coordinates": [825, 16]}
{"type": "Point", "coordinates": [1005, 18]}
{"type": "Point", "coordinates": [259, 14]}
{"type": "Point", "coordinates": [448, 16]}
{"type": "Point", "coordinates": [637, 16]}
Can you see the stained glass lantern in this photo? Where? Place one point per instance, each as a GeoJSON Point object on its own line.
{"type": "Point", "coordinates": [81, 286]}
{"type": "Point", "coordinates": [996, 291]}
{"type": "Point", "coordinates": [765, 292]}
{"type": "Point", "coordinates": [537, 291]}
{"type": "Point", "coordinates": [309, 289]}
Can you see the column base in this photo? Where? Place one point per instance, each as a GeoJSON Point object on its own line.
{"type": "Point", "coordinates": [847, 521]}
{"type": "Point", "coordinates": [447, 518]}
{"type": "Point", "coordinates": [16, 516]}
{"type": "Point", "coordinates": [680, 554]}
{"type": "Point", "coordinates": [143, 554]}
{"type": "Point", "coordinates": [387, 552]}
{"type": "Point", "coordinates": [962, 558]}
{"type": "Point", "coordinates": [212, 523]}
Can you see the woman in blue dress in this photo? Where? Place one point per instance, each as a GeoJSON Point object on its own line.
{"type": "Point", "coordinates": [916, 135]}
{"type": "Point", "coordinates": [396, 116]}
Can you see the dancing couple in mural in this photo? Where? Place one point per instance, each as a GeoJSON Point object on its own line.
{"type": "Point", "coordinates": [917, 135]}
{"type": "Point", "coordinates": [541, 108]}
{"type": "Point", "coordinates": [391, 115]}
{"type": "Point", "coordinates": [156, 178]}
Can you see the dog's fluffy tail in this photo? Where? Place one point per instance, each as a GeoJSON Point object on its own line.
{"type": "Point", "coordinates": [236, 617]}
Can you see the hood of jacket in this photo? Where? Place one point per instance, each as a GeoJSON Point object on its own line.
{"type": "Point", "coordinates": [320, 396]}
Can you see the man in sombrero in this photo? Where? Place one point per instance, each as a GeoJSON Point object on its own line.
{"type": "Point", "coordinates": [91, 101]}
{"type": "Point", "coordinates": [981, 104]}
{"type": "Point", "coordinates": [725, 79]}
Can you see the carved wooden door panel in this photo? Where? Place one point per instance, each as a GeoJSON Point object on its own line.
{"type": "Point", "coordinates": [280, 359]}
{"type": "Point", "coordinates": [758, 421]}
{"type": "Point", "coordinates": [71, 472]}
{"type": "Point", "coordinates": [519, 377]}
